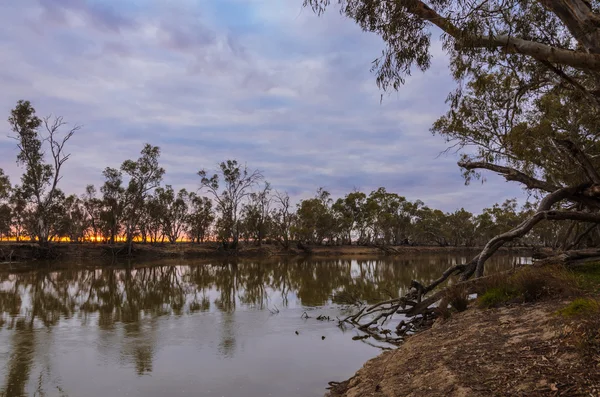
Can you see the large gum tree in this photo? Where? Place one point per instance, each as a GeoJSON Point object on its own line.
{"type": "Point", "coordinates": [526, 105]}
{"type": "Point", "coordinates": [42, 156]}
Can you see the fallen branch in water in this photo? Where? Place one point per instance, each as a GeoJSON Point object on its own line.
{"type": "Point", "coordinates": [419, 312]}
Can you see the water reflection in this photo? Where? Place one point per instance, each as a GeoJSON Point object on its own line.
{"type": "Point", "coordinates": [126, 316]}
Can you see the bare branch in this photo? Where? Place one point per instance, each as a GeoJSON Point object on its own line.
{"type": "Point", "coordinates": [56, 147]}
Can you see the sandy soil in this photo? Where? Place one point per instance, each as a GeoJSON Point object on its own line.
{"type": "Point", "coordinates": [523, 350]}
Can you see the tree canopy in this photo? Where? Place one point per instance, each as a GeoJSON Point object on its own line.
{"type": "Point", "coordinates": [527, 97]}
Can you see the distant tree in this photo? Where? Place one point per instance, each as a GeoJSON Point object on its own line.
{"type": "Point", "coordinates": [76, 220]}
{"type": "Point", "coordinates": [144, 175]}
{"type": "Point", "coordinates": [5, 208]}
{"type": "Point", "coordinates": [200, 218]}
{"type": "Point", "coordinates": [40, 179]}
{"type": "Point", "coordinates": [237, 182]}
{"type": "Point", "coordinates": [93, 207]}
{"type": "Point", "coordinates": [173, 211]}
{"type": "Point", "coordinates": [526, 105]}
{"type": "Point", "coordinates": [18, 205]}
{"type": "Point", "coordinates": [151, 222]}
{"type": "Point", "coordinates": [256, 214]}
{"type": "Point", "coordinates": [113, 202]}
{"type": "Point", "coordinates": [315, 220]}
{"type": "Point", "coordinates": [5, 220]}
{"type": "Point", "coordinates": [461, 228]}
{"type": "Point", "coordinates": [350, 213]}
{"type": "Point", "coordinates": [283, 219]}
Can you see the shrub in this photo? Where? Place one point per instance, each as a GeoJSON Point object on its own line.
{"type": "Point", "coordinates": [580, 307]}
{"type": "Point", "coordinates": [586, 313]}
{"type": "Point", "coordinates": [496, 296]}
{"type": "Point", "coordinates": [458, 297]}
{"type": "Point", "coordinates": [588, 276]}
{"type": "Point", "coordinates": [526, 285]}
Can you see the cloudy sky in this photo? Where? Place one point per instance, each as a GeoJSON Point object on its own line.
{"type": "Point", "coordinates": [262, 81]}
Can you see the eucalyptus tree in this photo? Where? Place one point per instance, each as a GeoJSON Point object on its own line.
{"type": "Point", "coordinates": [93, 207]}
{"type": "Point", "coordinates": [18, 210]}
{"type": "Point", "coordinates": [527, 102]}
{"type": "Point", "coordinates": [113, 202]}
{"type": "Point", "coordinates": [256, 214]}
{"type": "Point", "coordinates": [75, 219]}
{"type": "Point", "coordinates": [237, 182]}
{"type": "Point", "coordinates": [145, 174]}
{"type": "Point", "coordinates": [39, 182]}
{"type": "Point", "coordinates": [391, 216]}
{"type": "Point", "coordinates": [200, 218]}
{"type": "Point", "coordinates": [315, 219]}
{"type": "Point", "coordinates": [351, 216]}
{"type": "Point", "coordinates": [526, 105]}
{"type": "Point", "coordinates": [151, 220]}
{"type": "Point", "coordinates": [431, 227]}
{"type": "Point", "coordinates": [172, 211]}
{"type": "Point", "coordinates": [461, 228]}
{"type": "Point", "coordinates": [282, 219]}
{"type": "Point", "coordinates": [5, 208]}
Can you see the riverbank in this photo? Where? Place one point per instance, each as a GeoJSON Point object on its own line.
{"type": "Point", "coordinates": [550, 347]}
{"type": "Point", "coordinates": [24, 252]}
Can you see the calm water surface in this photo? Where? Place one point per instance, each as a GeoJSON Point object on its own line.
{"type": "Point", "coordinates": [192, 329]}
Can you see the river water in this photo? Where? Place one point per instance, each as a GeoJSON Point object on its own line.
{"type": "Point", "coordinates": [185, 328]}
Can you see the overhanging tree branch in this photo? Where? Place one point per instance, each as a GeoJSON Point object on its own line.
{"type": "Point", "coordinates": [510, 174]}
{"type": "Point", "coordinates": [542, 213]}
{"type": "Point", "coordinates": [581, 158]}
{"type": "Point", "coordinates": [539, 51]}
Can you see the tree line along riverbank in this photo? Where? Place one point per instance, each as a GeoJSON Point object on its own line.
{"type": "Point", "coordinates": [24, 252]}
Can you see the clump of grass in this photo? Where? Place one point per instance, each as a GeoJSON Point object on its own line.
{"type": "Point", "coordinates": [585, 315]}
{"type": "Point", "coordinates": [497, 296]}
{"type": "Point", "coordinates": [458, 298]}
{"type": "Point", "coordinates": [580, 307]}
{"type": "Point", "coordinates": [588, 276]}
{"type": "Point", "coordinates": [526, 285]}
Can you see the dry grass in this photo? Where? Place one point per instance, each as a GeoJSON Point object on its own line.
{"type": "Point", "coordinates": [527, 285]}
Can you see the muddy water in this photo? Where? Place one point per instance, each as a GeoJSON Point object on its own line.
{"type": "Point", "coordinates": [191, 329]}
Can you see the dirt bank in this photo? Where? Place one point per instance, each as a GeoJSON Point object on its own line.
{"type": "Point", "coordinates": [520, 350]}
{"type": "Point", "coordinates": [28, 251]}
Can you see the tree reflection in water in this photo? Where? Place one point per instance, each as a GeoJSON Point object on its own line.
{"type": "Point", "coordinates": [109, 296]}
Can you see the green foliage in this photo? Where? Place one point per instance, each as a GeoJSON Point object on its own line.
{"type": "Point", "coordinates": [581, 307]}
{"type": "Point", "coordinates": [144, 174]}
{"type": "Point", "coordinates": [39, 183]}
{"type": "Point", "coordinates": [170, 210]}
{"type": "Point", "coordinates": [127, 207]}
{"type": "Point", "coordinates": [526, 285]}
{"type": "Point", "coordinates": [236, 182]}
{"type": "Point", "coordinates": [588, 276]}
{"type": "Point", "coordinates": [496, 296]}
{"type": "Point", "coordinates": [200, 218]}
{"type": "Point", "coordinates": [526, 103]}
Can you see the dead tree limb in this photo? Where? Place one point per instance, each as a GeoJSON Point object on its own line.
{"type": "Point", "coordinates": [546, 204]}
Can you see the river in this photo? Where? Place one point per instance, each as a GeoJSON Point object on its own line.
{"type": "Point", "coordinates": [186, 328]}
